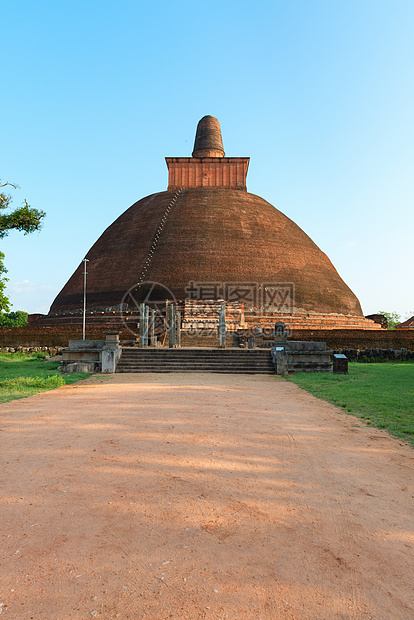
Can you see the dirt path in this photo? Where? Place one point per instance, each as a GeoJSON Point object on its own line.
{"type": "Point", "coordinates": [201, 496]}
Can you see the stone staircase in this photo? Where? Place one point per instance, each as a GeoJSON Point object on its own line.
{"type": "Point", "coordinates": [245, 361]}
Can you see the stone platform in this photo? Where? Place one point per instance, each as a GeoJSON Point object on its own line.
{"type": "Point", "coordinates": [312, 321]}
{"type": "Point", "coordinates": [206, 316]}
{"type": "Point", "coordinates": [302, 356]}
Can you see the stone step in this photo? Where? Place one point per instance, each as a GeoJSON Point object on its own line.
{"type": "Point", "coordinates": [199, 357]}
{"type": "Point", "coordinates": [197, 352]}
{"type": "Point", "coordinates": [199, 360]}
{"type": "Point", "coordinates": [213, 370]}
{"type": "Point", "coordinates": [229, 360]}
{"type": "Point", "coordinates": [196, 360]}
{"type": "Point", "coordinates": [234, 367]}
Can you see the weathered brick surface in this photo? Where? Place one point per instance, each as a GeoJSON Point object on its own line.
{"type": "Point", "coordinates": [345, 339]}
{"type": "Point", "coordinates": [210, 235]}
{"type": "Point", "coordinates": [313, 321]}
{"type": "Point", "coordinates": [207, 172]}
{"type": "Point", "coordinates": [49, 336]}
{"type": "Point", "coordinates": [208, 141]}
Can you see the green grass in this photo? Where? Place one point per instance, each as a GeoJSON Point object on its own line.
{"type": "Point", "coordinates": [23, 375]}
{"type": "Point", "coordinates": [380, 394]}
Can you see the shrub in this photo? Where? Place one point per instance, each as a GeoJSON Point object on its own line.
{"type": "Point", "coordinates": [13, 319]}
{"type": "Point", "coordinates": [18, 383]}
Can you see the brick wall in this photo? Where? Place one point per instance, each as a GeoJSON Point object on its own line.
{"type": "Point", "coordinates": [358, 338]}
{"type": "Point", "coordinates": [188, 172]}
{"type": "Point", "coordinates": [49, 336]}
{"type": "Point", "coordinates": [335, 339]}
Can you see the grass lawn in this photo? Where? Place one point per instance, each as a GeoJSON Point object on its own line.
{"type": "Point", "coordinates": [380, 394]}
{"type": "Point", "coordinates": [24, 375]}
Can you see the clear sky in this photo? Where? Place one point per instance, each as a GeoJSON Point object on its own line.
{"type": "Point", "coordinates": [318, 93]}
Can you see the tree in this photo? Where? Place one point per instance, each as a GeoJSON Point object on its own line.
{"type": "Point", "coordinates": [24, 219]}
{"type": "Point", "coordinates": [13, 319]}
{"type": "Point", "coordinates": [4, 301]}
{"type": "Point", "coordinates": [392, 317]}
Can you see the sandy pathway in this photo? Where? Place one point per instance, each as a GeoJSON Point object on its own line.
{"type": "Point", "coordinates": [201, 496]}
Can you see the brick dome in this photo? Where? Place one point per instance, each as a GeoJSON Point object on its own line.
{"type": "Point", "coordinates": [206, 228]}
{"type": "Point", "coordinates": [209, 235]}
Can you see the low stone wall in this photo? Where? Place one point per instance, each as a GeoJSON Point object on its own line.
{"type": "Point", "coordinates": [36, 336]}
{"type": "Point", "coordinates": [358, 338]}
{"type": "Point", "coordinates": [50, 336]}
{"type": "Point", "coordinates": [32, 336]}
{"type": "Point", "coordinates": [48, 350]}
{"type": "Point", "coordinates": [377, 355]}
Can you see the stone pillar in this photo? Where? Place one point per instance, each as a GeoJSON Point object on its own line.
{"type": "Point", "coordinates": [146, 320]}
{"type": "Point", "coordinates": [178, 327]}
{"type": "Point", "coordinates": [141, 324]}
{"type": "Point", "coordinates": [152, 327]}
{"type": "Point", "coordinates": [280, 332]}
{"type": "Point", "coordinates": [279, 357]}
{"type": "Point", "coordinates": [111, 352]}
{"type": "Point", "coordinates": [166, 319]}
{"type": "Point", "coordinates": [171, 326]}
{"type": "Point", "coordinates": [222, 327]}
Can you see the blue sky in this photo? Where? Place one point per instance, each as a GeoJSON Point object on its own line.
{"type": "Point", "coordinates": [318, 93]}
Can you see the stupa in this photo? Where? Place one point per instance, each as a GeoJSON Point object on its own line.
{"type": "Point", "coordinates": [206, 229]}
